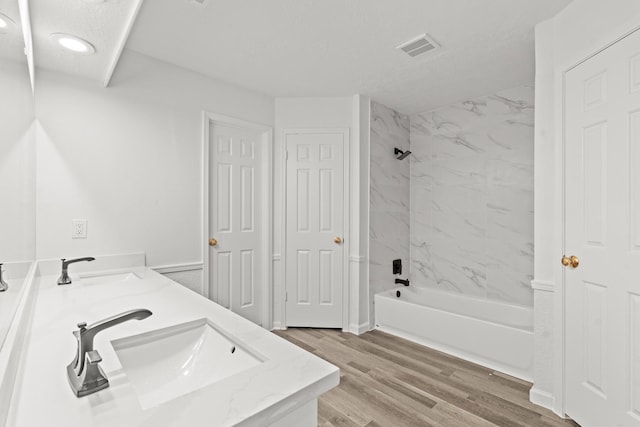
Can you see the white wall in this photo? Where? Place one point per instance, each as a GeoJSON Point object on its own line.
{"type": "Point", "coordinates": [129, 159]}
{"type": "Point", "coordinates": [17, 164]}
{"type": "Point", "coordinates": [581, 29]}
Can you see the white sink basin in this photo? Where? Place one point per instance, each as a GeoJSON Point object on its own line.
{"type": "Point", "coordinates": [164, 364]}
{"type": "Point", "coordinates": [108, 278]}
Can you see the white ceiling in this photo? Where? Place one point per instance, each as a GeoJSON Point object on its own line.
{"type": "Point", "coordinates": [302, 47]}
{"type": "Point", "coordinates": [11, 40]}
{"type": "Point", "coordinates": [342, 47]}
{"type": "Point", "coordinates": [104, 23]}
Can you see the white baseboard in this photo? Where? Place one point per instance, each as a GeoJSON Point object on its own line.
{"type": "Point", "coordinates": [277, 326]}
{"type": "Point", "coordinates": [541, 398]}
{"type": "Point", "coordinates": [359, 329]}
{"type": "Point", "coordinates": [354, 329]}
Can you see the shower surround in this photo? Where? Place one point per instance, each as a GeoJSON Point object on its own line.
{"type": "Point", "coordinates": [471, 197]}
{"type": "Point", "coordinates": [462, 211]}
{"type": "Point", "coordinates": [389, 199]}
{"type": "Point", "coordinates": [459, 210]}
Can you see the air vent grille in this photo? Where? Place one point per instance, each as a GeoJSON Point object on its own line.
{"type": "Point", "coordinates": [419, 45]}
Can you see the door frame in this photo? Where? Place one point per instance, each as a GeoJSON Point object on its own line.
{"type": "Point", "coordinates": [209, 119]}
{"type": "Point", "coordinates": [347, 215]}
{"type": "Point", "coordinates": [560, 300]}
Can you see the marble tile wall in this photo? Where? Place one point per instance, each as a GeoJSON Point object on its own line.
{"type": "Point", "coordinates": [471, 197]}
{"type": "Point", "coordinates": [389, 198]}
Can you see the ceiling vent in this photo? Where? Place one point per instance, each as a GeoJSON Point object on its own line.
{"type": "Point", "coordinates": [418, 46]}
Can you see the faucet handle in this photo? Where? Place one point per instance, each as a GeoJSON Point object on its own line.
{"type": "Point", "coordinates": [93, 357]}
{"type": "Point", "coordinates": [82, 327]}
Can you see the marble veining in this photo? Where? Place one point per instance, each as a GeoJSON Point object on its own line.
{"type": "Point", "coordinates": [471, 197]}
{"type": "Point", "coordinates": [389, 198]}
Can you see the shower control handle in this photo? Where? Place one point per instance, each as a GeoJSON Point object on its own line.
{"type": "Point", "coordinates": [338, 239]}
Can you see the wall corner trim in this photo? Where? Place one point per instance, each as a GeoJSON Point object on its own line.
{"type": "Point", "coordinates": [543, 285]}
{"type": "Point", "coordinates": [541, 398]}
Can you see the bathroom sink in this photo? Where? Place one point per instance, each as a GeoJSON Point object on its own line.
{"type": "Point", "coordinates": [108, 278]}
{"type": "Point", "coordinates": [168, 363]}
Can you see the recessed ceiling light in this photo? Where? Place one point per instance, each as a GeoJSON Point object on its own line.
{"type": "Point", "coordinates": [73, 43]}
{"type": "Point", "coordinates": [5, 21]}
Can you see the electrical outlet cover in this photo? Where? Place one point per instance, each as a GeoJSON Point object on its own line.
{"type": "Point", "coordinates": [79, 229]}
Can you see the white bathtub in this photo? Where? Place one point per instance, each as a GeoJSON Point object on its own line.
{"type": "Point", "coordinates": [489, 333]}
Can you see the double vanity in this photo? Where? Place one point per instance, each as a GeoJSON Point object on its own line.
{"type": "Point", "coordinates": [145, 351]}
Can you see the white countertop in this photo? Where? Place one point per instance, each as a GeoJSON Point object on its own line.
{"type": "Point", "coordinates": [289, 378]}
{"type": "Point", "coordinates": [8, 303]}
{"type": "Point", "coordinates": [14, 275]}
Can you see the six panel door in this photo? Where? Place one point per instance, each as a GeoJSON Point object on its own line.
{"type": "Point", "coordinates": [602, 229]}
{"type": "Point", "coordinates": [314, 229]}
{"type": "Point", "coordinates": [235, 187]}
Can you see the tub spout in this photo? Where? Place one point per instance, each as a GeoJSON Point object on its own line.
{"type": "Point", "coordinates": [402, 282]}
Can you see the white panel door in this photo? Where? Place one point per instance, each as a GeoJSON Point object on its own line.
{"type": "Point", "coordinates": [602, 226]}
{"type": "Point", "coordinates": [235, 224]}
{"type": "Point", "coordinates": [314, 228]}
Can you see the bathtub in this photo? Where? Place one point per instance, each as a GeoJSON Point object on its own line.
{"type": "Point", "coordinates": [493, 334]}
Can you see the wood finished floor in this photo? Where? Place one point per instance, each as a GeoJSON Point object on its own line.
{"type": "Point", "coordinates": [390, 382]}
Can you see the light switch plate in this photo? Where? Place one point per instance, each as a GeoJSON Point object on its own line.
{"type": "Point", "coordinates": [78, 228]}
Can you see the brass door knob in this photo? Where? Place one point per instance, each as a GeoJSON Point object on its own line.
{"type": "Point", "coordinates": [571, 261]}
{"type": "Point", "coordinates": [338, 240]}
{"type": "Point", "coordinates": [213, 242]}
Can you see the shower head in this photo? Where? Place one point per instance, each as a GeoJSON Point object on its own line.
{"type": "Point", "coordinates": [400, 154]}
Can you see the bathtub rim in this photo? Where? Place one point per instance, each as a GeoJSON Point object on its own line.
{"type": "Point", "coordinates": [390, 293]}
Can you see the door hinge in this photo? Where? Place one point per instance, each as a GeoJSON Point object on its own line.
{"type": "Point", "coordinates": [286, 296]}
{"type": "Point", "coordinates": [286, 154]}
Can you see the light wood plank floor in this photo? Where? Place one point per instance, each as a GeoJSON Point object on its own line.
{"type": "Point", "coordinates": [388, 381]}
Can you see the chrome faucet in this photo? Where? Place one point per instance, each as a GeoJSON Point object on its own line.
{"type": "Point", "coordinates": [64, 278]}
{"type": "Point", "coordinates": [84, 374]}
{"type": "Point", "coordinates": [3, 285]}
